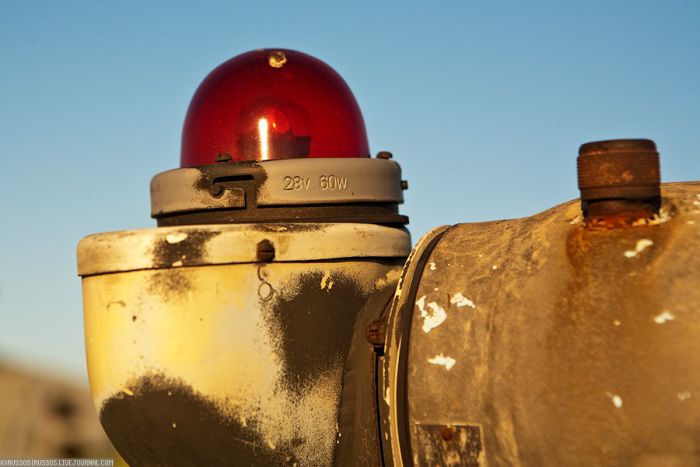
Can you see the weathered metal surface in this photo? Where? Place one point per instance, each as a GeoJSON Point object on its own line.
{"type": "Point", "coordinates": [200, 355]}
{"type": "Point", "coordinates": [166, 247]}
{"type": "Point", "coordinates": [294, 190]}
{"type": "Point", "coordinates": [390, 376]}
{"type": "Point", "coordinates": [357, 442]}
{"type": "Point", "coordinates": [448, 445]}
{"type": "Point", "coordinates": [565, 344]}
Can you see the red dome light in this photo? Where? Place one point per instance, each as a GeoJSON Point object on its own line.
{"type": "Point", "coordinates": [272, 104]}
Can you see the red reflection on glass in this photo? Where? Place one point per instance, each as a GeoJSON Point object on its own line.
{"type": "Point", "coordinates": [272, 104]}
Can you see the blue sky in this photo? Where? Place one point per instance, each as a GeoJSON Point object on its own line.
{"type": "Point", "coordinates": [484, 105]}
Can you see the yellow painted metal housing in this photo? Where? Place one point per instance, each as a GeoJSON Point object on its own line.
{"type": "Point", "coordinates": [187, 323]}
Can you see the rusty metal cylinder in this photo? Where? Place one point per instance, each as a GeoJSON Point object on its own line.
{"type": "Point", "coordinates": [541, 341]}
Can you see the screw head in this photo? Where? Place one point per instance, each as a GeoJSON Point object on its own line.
{"type": "Point", "coordinates": [376, 335]}
{"type": "Point", "coordinates": [447, 432]}
{"type": "Point", "coordinates": [223, 157]}
{"type": "Point", "coordinates": [216, 190]}
{"type": "Point", "coordinates": [265, 251]}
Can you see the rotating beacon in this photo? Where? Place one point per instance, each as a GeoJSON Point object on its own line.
{"type": "Point", "coordinates": [224, 335]}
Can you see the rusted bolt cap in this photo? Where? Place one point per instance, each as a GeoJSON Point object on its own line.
{"type": "Point", "coordinates": [376, 335]}
{"type": "Point", "coordinates": [384, 155]}
{"type": "Point", "coordinates": [447, 432]}
{"type": "Point", "coordinates": [619, 169]}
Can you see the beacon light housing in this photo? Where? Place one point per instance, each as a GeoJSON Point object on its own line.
{"type": "Point", "coordinates": [226, 334]}
{"type": "Point", "coordinates": [276, 136]}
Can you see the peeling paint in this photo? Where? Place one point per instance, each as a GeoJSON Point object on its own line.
{"type": "Point", "coordinates": [656, 219]}
{"type": "Point", "coordinates": [326, 283]}
{"type": "Point", "coordinates": [175, 237]}
{"type": "Point", "coordinates": [442, 360]}
{"type": "Point", "coordinates": [432, 318]}
{"type": "Point", "coordinates": [616, 399]}
{"type": "Point", "coordinates": [494, 267]}
{"type": "Point", "coordinates": [641, 245]}
{"type": "Point", "coordinates": [683, 396]}
{"type": "Point", "coordinates": [663, 317]}
{"type": "Point", "coordinates": [460, 300]}
{"type": "Point", "coordinates": [433, 266]}
{"type": "Point", "coordinates": [390, 277]}
{"type": "Point", "coordinates": [387, 399]}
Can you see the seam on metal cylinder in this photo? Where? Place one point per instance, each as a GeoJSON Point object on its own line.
{"type": "Point", "coordinates": [407, 320]}
{"type": "Point", "coordinates": [384, 314]}
{"type": "Point", "coordinates": [310, 261]}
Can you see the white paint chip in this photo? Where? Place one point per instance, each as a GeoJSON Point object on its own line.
{"type": "Point", "coordinates": [326, 283]}
{"type": "Point", "coordinates": [447, 362]}
{"type": "Point", "coordinates": [391, 276]}
{"type": "Point", "coordinates": [433, 266]}
{"type": "Point", "coordinates": [641, 245]}
{"type": "Point", "coordinates": [663, 317]}
{"type": "Point", "coordinates": [683, 396]}
{"type": "Point", "coordinates": [616, 400]}
{"type": "Point", "coordinates": [175, 237]}
{"type": "Point", "coordinates": [433, 317]}
{"type": "Point", "coordinates": [460, 300]}
{"type": "Point", "coordinates": [494, 267]}
{"type": "Point", "coordinates": [656, 219]}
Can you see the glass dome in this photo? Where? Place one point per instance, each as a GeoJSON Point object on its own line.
{"type": "Point", "coordinates": [272, 104]}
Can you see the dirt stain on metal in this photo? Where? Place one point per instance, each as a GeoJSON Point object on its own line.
{"type": "Point", "coordinates": [141, 425]}
{"type": "Point", "coordinates": [168, 283]}
{"type": "Point", "coordinates": [188, 250]}
{"type": "Point", "coordinates": [315, 325]}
